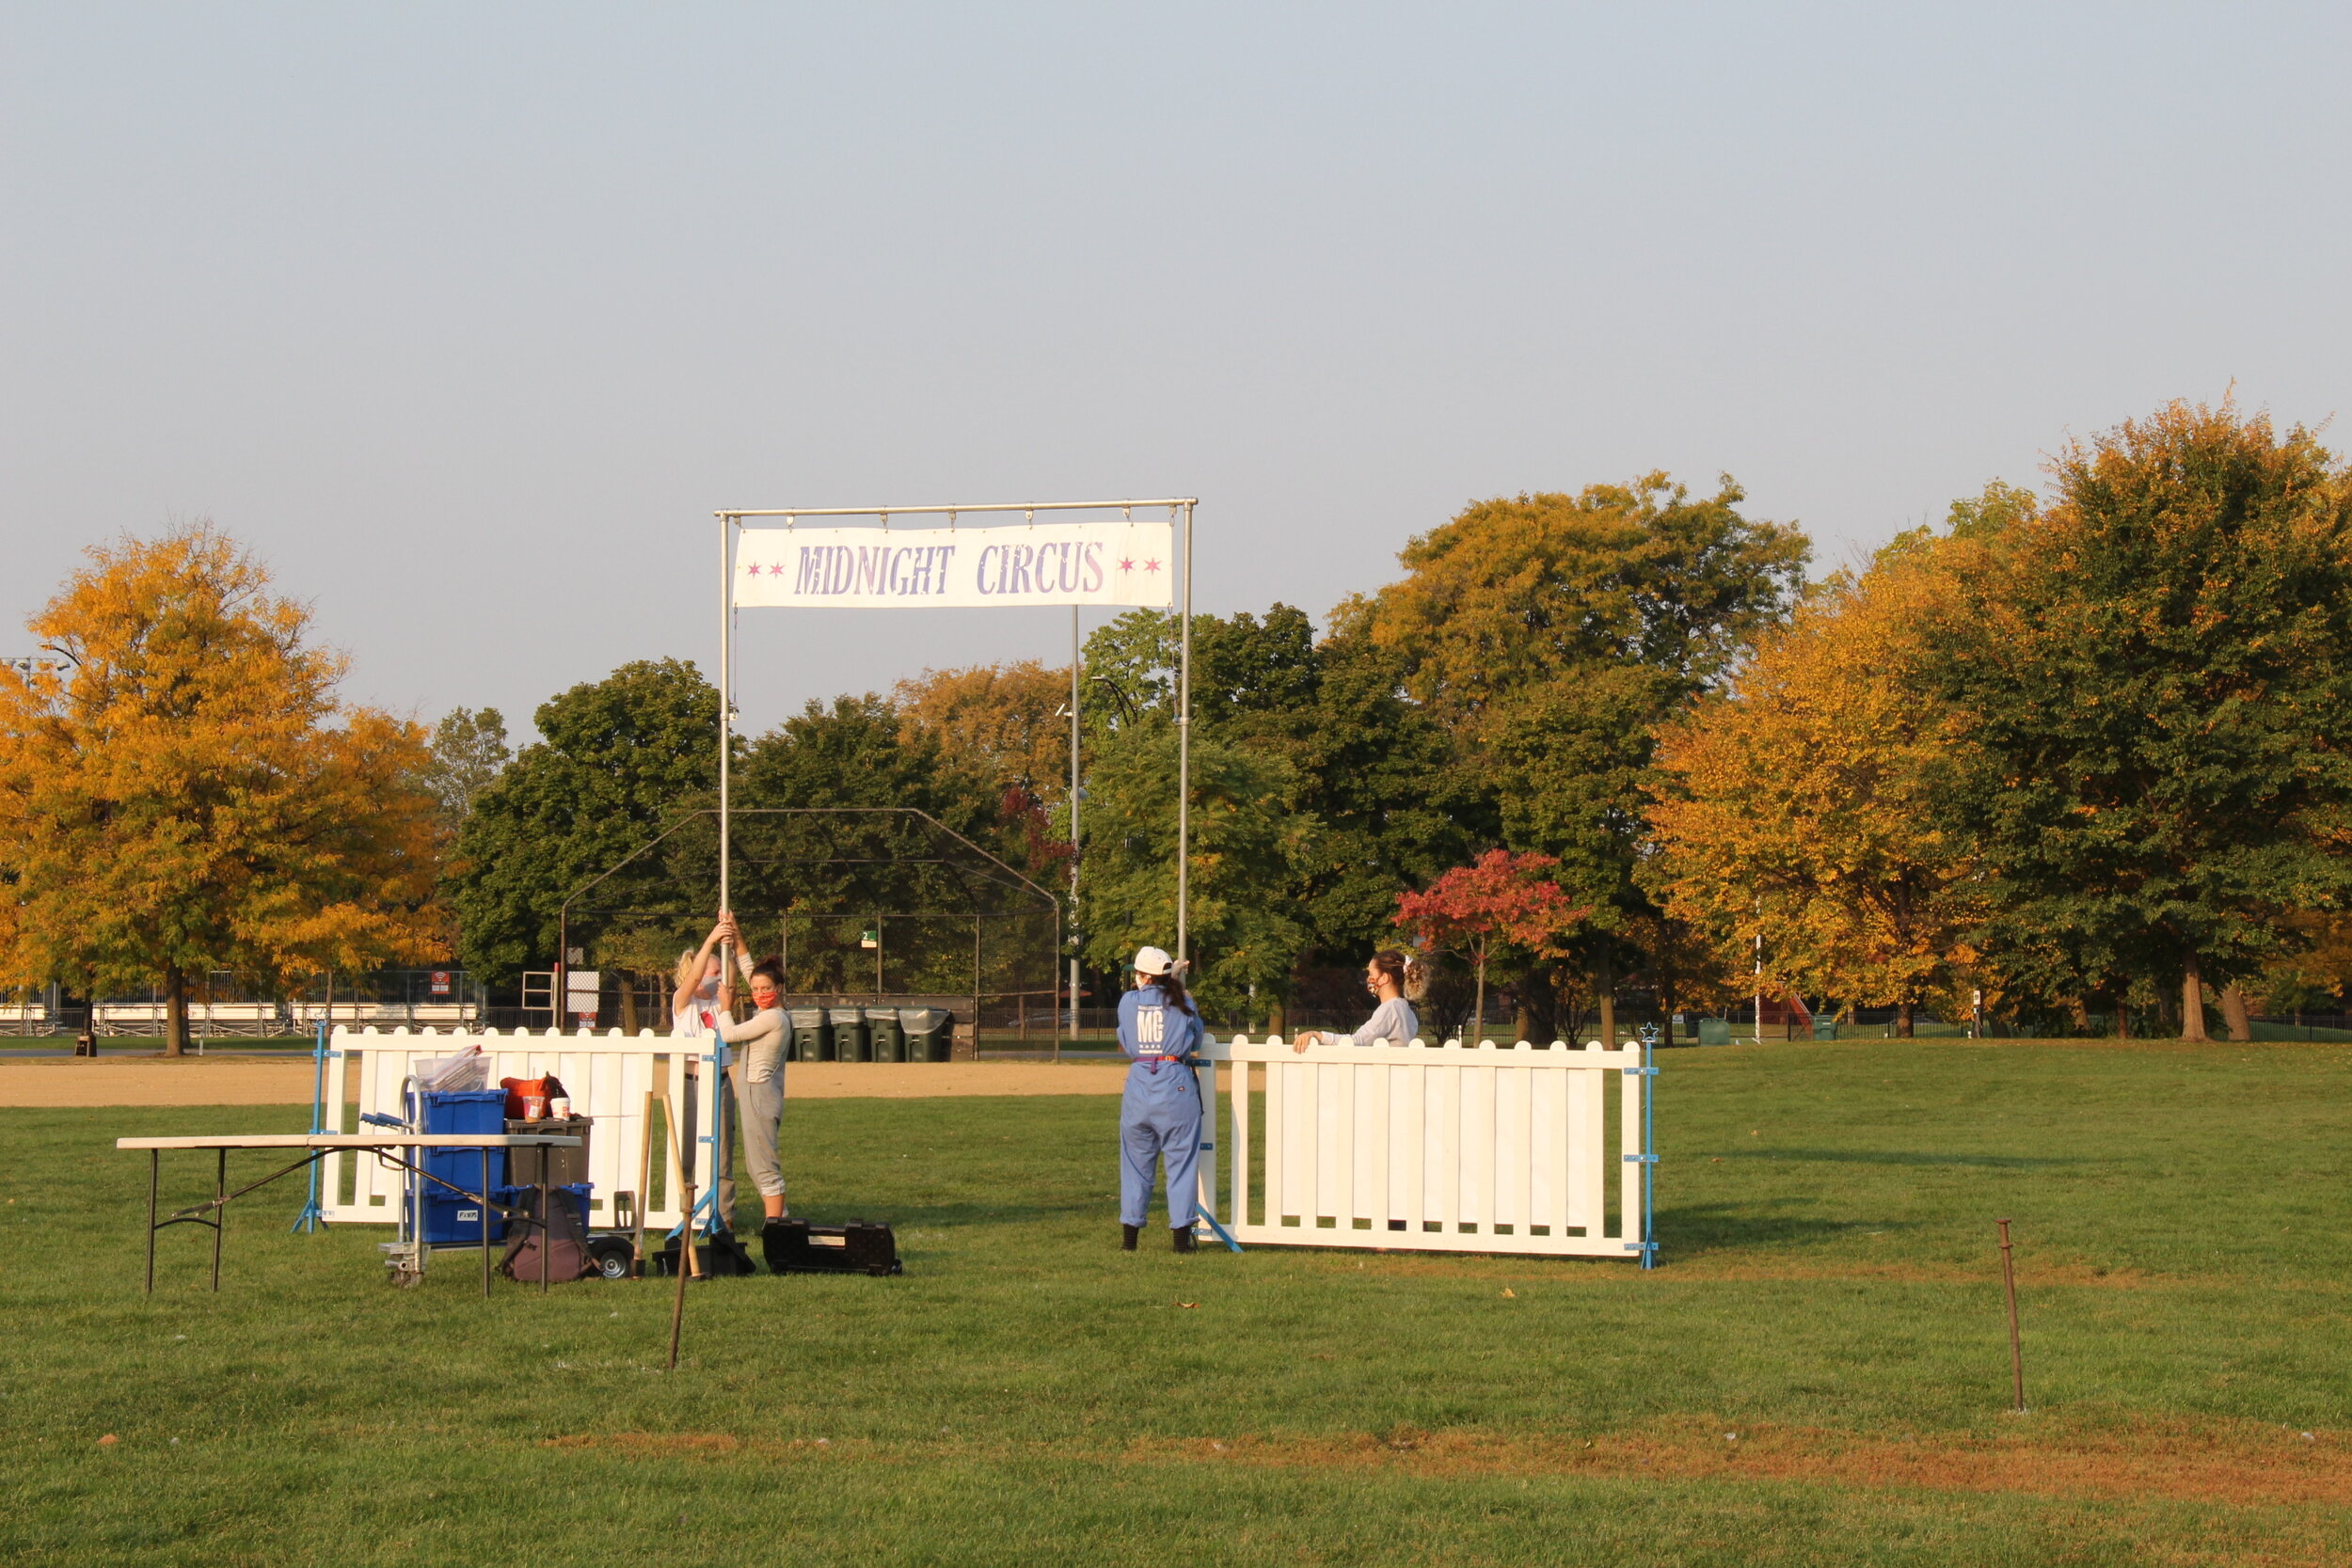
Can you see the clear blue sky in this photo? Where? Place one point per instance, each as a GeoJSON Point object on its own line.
{"type": "Point", "coordinates": [466, 316]}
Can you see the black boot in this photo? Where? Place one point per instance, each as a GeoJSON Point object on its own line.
{"type": "Point", "coordinates": [1127, 1234]}
{"type": "Point", "coordinates": [1182, 1239]}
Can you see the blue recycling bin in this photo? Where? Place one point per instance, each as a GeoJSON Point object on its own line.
{"type": "Point", "coordinates": [449, 1219]}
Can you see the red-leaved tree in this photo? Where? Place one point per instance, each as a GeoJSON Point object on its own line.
{"type": "Point", "coordinates": [1504, 900]}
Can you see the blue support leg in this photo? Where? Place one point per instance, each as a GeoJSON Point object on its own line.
{"type": "Point", "coordinates": [313, 1215]}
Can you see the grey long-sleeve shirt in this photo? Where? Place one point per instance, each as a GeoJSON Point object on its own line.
{"type": "Point", "coordinates": [1392, 1020]}
{"type": "Point", "coordinates": [762, 1037]}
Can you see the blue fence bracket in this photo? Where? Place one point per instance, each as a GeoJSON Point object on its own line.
{"type": "Point", "coordinates": [313, 1215]}
{"type": "Point", "coordinates": [1649, 1161]}
{"type": "Point", "coordinates": [1222, 1234]}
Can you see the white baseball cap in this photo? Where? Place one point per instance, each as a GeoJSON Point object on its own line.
{"type": "Point", "coordinates": [1151, 960]}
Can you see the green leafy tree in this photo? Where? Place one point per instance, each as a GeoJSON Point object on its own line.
{"type": "Point", "coordinates": [1248, 845]}
{"type": "Point", "coordinates": [468, 750]}
{"type": "Point", "coordinates": [2152, 676]}
{"type": "Point", "coordinates": [619, 759]}
{"type": "Point", "coordinates": [1552, 633]}
{"type": "Point", "coordinates": [1396, 801]}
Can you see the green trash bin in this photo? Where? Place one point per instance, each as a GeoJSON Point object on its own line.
{"type": "Point", "coordinates": [931, 1033]}
{"type": "Point", "coordinates": [888, 1034]}
{"type": "Point", "coordinates": [811, 1036]}
{"type": "Point", "coordinates": [1714, 1030]}
{"type": "Point", "coordinates": [1825, 1030]}
{"type": "Point", "coordinates": [850, 1041]}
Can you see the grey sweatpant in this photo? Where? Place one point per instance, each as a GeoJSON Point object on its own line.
{"type": "Point", "coordinates": [759, 1108]}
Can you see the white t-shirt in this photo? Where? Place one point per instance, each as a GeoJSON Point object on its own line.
{"type": "Point", "coordinates": [696, 1022]}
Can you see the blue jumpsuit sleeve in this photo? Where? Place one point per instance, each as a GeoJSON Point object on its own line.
{"type": "Point", "coordinates": [1127, 1006]}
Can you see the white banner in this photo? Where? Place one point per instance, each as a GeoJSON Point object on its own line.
{"type": "Point", "coordinates": [871, 569]}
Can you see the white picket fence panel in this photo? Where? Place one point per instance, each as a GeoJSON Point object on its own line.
{"type": "Point", "coordinates": [608, 1077]}
{"type": "Point", "coordinates": [1473, 1149]}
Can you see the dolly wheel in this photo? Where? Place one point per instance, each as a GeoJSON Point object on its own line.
{"type": "Point", "coordinates": [614, 1257]}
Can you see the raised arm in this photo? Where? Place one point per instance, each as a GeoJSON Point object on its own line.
{"type": "Point", "coordinates": [683, 1000]}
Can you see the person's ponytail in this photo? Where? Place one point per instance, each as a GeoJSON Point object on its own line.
{"type": "Point", "coordinates": [1174, 989]}
{"type": "Point", "coordinates": [1411, 975]}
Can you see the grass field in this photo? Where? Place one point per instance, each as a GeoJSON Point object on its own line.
{"type": "Point", "coordinates": [1027, 1394]}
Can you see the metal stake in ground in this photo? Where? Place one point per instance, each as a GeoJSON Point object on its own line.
{"type": "Point", "coordinates": [685, 1263]}
{"type": "Point", "coordinates": [2016, 1354]}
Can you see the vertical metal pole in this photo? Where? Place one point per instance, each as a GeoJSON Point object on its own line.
{"type": "Point", "coordinates": [1183, 759]}
{"type": "Point", "coordinates": [2016, 1353]}
{"type": "Point", "coordinates": [1075, 651]}
{"type": "Point", "coordinates": [726, 711]}
{"type": "Point", "coordinates": [220, 1211]}
{"type": "Point", "coordinates": [155, 1178]}
{"type": "Point", "coordinates": [484, 1211]}
{"type": "Point", "coordinates": [547, 1220]}
{"type": "Point", "coordinates": [1760, 971]}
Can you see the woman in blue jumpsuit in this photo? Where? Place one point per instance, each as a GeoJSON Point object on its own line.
{"type": "Point", "coordinates": [1159, 1115]}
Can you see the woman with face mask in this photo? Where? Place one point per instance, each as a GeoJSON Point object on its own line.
{"type": "Point", "coordinates": [696, 1011]}
{"type": "Point", "coordinates": [1159, 1114]}
{"type": "Point", "coordinates": [759, 1075]}
{"type": "Point", "coordinates": [1386, 977]}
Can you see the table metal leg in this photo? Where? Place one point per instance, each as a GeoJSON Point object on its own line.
{"type": "Point", "coordinates": [155, 1178]}
{"type": "Point", "coordinates": [547, 1222]}
{"type": "Point", "coordinates": [484, 1151]}
{"type": "Point", "coordinates": [220, 1213]}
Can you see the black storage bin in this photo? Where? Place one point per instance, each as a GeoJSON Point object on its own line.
{"type": "Point", "coordinates": [811, 1036]}
{"type": "Point", "coordinates": [931, 1033]}
{"type": "Point", "coordinates": [883, 1028]}
{"type": "Point", "coordinates": [564, 1165]}
{"type": "Point", "coordinates": [851, 1043]}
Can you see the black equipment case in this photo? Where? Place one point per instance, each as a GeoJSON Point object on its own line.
{"type": "Point", "coordinates": [860, 1247]}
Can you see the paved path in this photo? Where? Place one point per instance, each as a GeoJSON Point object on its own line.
{"type": "Point", "coordinates": [226, 1081]}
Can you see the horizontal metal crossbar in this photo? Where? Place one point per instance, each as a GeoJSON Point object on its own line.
{"type": "Point", "coordinates": [918, 510]}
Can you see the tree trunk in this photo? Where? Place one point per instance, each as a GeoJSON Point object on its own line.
{"type": "Point", "coordinates": [1666, 1013]}
{"type": "Point", "coordinates": [1605, 989]}
{"type": "Point", "coordinates": [175, 1010]}
{"type": "Point", "coordinates": [628, 1002]}
{"type": "Point", "coordinates": [1478, 1009]}
{"type": "Point", "coordinates": [2234, 1013]}
{"type": "Point", "coordinates": [2122, 1016]}
{"type": "Point", "coordinates": [1278, 1019]}
{"type": "Point", "coordinates": [1906, 1018]}
{"type": "Point", "coordinates": [1523, 1026]}
{"type": "Point", "coordinates": [2193, 1003]}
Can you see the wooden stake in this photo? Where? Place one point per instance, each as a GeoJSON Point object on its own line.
{"type": "Point", "coordinates": [2016, 1354]}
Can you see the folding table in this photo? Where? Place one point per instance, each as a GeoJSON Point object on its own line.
{"type": "Point", "coordinates": [388, 1147]}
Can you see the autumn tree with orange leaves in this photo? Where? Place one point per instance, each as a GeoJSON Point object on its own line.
{"type": "Point", "coordinates": [1796, 807]}
{"type": "Point", "coordinates": [190, 795]}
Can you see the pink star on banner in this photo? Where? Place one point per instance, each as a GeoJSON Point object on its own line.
{"type": "Point", "coordinates": [1150, 565]}
{"type": "Point", "coordinates": [1128, 565]}
{"type": "Point", "coordinates": [754, 570]}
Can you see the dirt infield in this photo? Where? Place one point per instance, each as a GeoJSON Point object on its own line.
{"type": "Point", "coordinates": [245, 1080]}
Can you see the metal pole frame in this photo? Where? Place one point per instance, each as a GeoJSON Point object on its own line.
{"type": "Point", "coordinates": [732, 520]}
